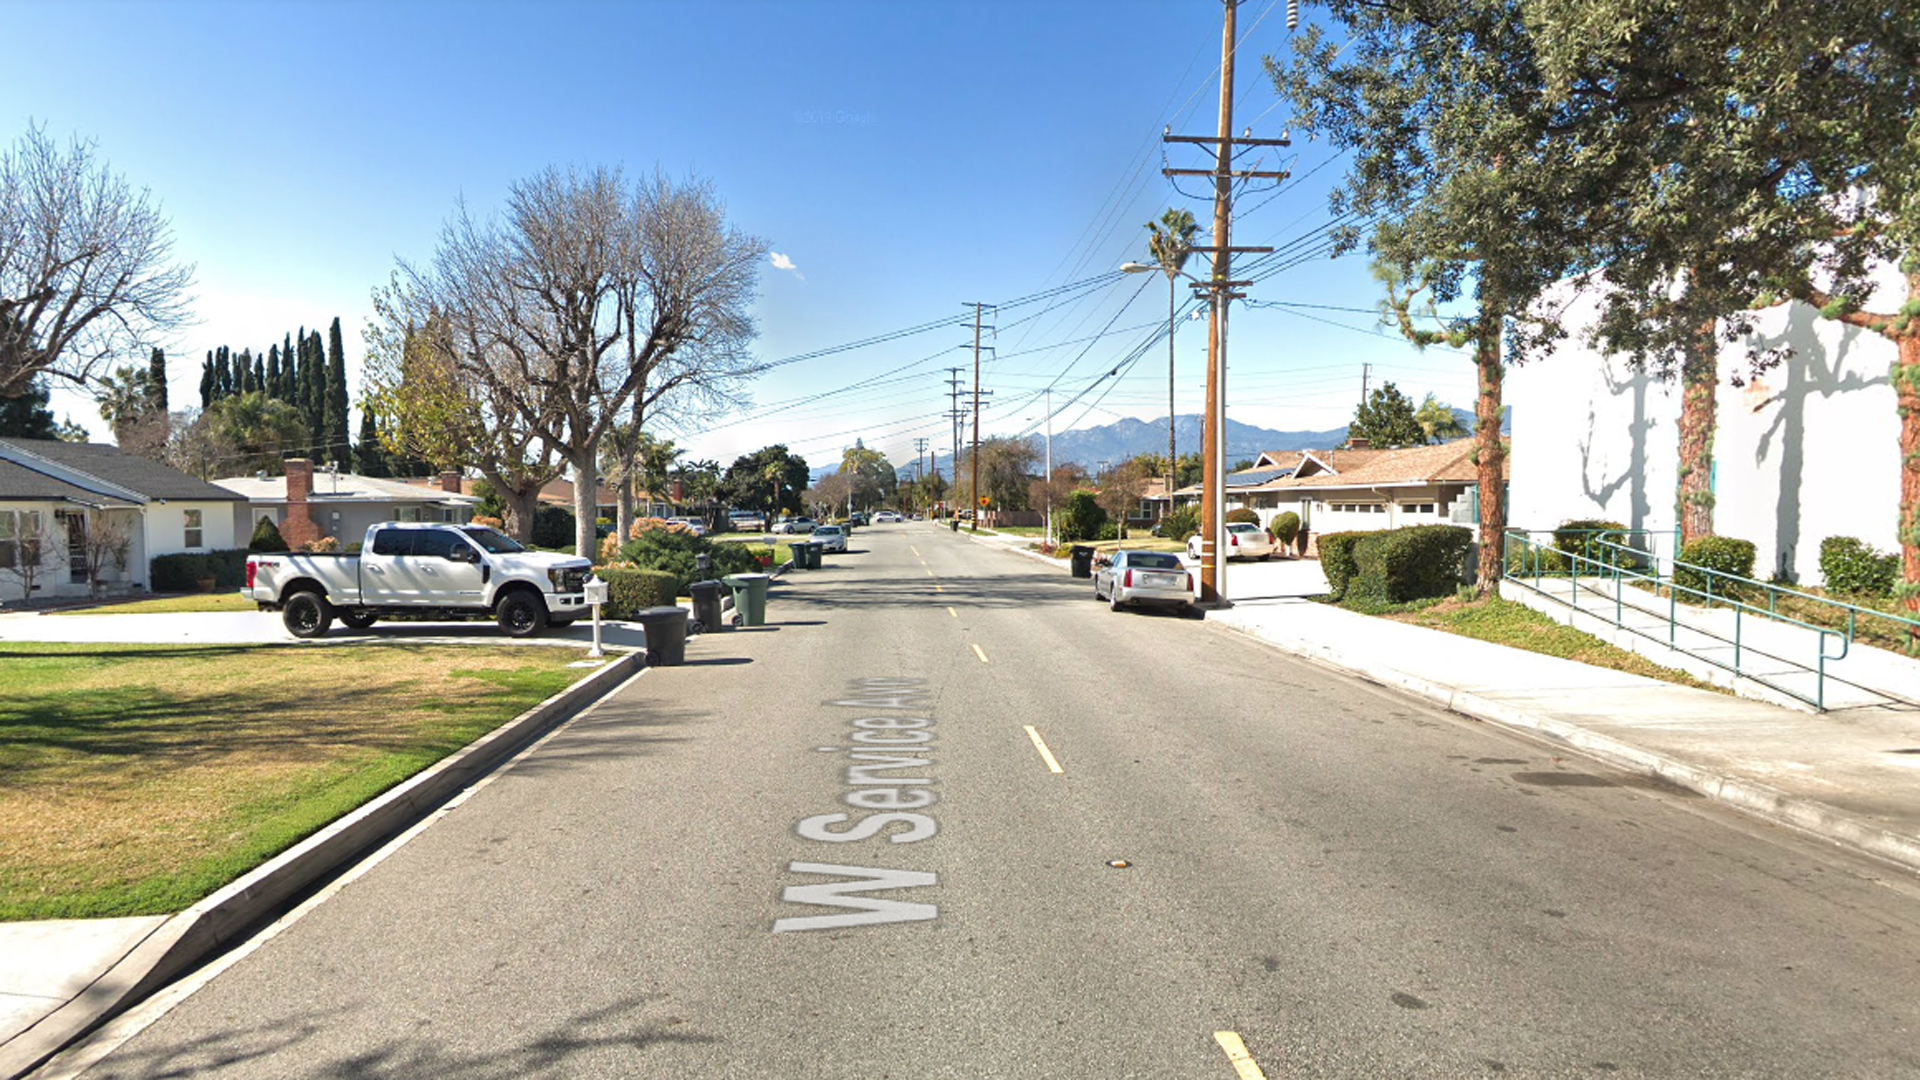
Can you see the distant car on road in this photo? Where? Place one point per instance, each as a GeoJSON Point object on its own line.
{"type": "Point", "coordinates": [1156, 578]}
{"type": "Point", "coordinates": [885, 517]}
{"type": "Point", "coordinates": [1245, 540]}
{"type": "Point", "coordinates": [699, 527]}
{"type": "Point", "coordinates": [795, 526]}
{"type": "Point", "coordinates": [856, 519]}
{"type": "Point", "coordinates": [747, 520]}
{"type": "Point", "coordinates": [831, 538]}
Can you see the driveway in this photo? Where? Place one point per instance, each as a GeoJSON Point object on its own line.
{"type": "Point", "coordinates": [264, 628]}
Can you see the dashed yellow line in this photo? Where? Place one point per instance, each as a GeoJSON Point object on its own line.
{"type": "Point", "coordinates": [982, 655]}
{"type": "Point", "coordinates": [1244, 1066]}
{"type": "Point", "coordinates": [1046, 755]}
{"type": "Point", "coordinates": [913, 549]}
{"type": "Point", "coordinates": [953, 613]}
{"type": "Point", "coordinates": [929, 573]}
{"type": "Point", "coordinates": [939, 588]}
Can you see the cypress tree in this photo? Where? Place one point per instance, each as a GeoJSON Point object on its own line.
{"type": "Point", "coordinates": [206, 382]}
{"type": "Point", "coordinates": [370, 455]}
{"type": "Point", "coordinates": [222, 374]}
{"type": "Point", "coordinates": [289, 383]}
{"type": "Point", "coordinates": [315, 389]}
{"type": "Point", "coordinates": [273, 371]}
{"type": "Point", "coordinates": [339, 431]}
{"type": "Point", "coordinates": [157, 381]}
{"type": "Point", "coordinates": [238, 370]}
{"type": "Point", "coordinates": [258, 379]}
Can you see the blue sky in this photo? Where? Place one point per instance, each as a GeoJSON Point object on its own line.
{"type": "Point", "coordinates": [906, 157]}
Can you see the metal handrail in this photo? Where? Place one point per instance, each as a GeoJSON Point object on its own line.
{"type": "Point", "coordinates": [1616, 570]}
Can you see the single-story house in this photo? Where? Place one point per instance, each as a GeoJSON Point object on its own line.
{"type": "Point", "coordinates": [1361, 488]}
{"type": "Point", "coordinates": [79, 516]}
{"type": "Point", "coordinates": [305, 505]}
{"type": "Point", "coordinates": [560, 493]}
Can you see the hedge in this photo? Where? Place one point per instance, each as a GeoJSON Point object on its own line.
{"type": "Point", "coordinates": [630, 590]}
{"type": "Point", "coordinates": [1850, 567]}
{"type": "Point", "coordinates": [1410, 563]}
{"type": "Point", "coordinates": [1577, 537]}
{"type": "Point", "coordinates": [1535, 560]}
{"type": "Point", "coordinates": [1285, 527]}
{"type": "Point", "coordinates": [1336, 560]}
{"type": "Point", "coordinates": [183, 572]}
{"type": "Point", "coordinates": [1719, 553]}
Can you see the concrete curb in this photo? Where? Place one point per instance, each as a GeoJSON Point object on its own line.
{"type": "Point", "coordinates": [1807, 815]}
{"type": "Point", "coordinates": [210, 926]}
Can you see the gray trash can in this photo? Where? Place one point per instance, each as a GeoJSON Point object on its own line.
{"type": "Point", "coordinates": [749, 597]}
{"type": "Point", "coordinates": [1082, 561]}
{"type": "Point", "coordinates": [814, 550]}
{"type": "Point", "coordinates": [800, 559]}
{"type": "Point", "coordinates": [706, 606]}
{"type": "Point", "coordinates": [666, 629]}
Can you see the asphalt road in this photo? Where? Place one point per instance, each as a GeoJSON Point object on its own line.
{"type": "Point", "coordinates": [1353, 883]}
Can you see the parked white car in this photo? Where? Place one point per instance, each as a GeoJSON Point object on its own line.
{"type": "Point", "coordinates": [1245, 540]}
{"type": "Point", "coordinates": [799, 526]}
{"type": "Point", "coordinates": [1156, 578]}
{"type": "Point", "coordinates": [885, 517]}
{"type": "Point", "coordinates": [831, 538]}
{"type": "Point", "coordinates": [699, 527]}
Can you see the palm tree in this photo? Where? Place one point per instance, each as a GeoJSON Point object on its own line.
{"type": "Point", "coordinates": [1170, 243]}
{"type": "Point", "coordinates": [1438, 421]}
{"type": "Point", "coordinates": [656, 458]}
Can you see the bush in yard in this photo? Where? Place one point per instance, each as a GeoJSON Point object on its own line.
{"type": "Point", "coordinates": [1411, 563]}
{"type": "Point", "coordinates": [673, 549]}
{"type": "Point", "coordinates": [1722, 554]}
{"type": "Point", "coordinates": [1535, 560]}
{"type": "Point", "coordinates": [1336, 560]}
{"type": "Point", "coordinates": [184, 571]}
{"type": "Point", "coordinates": [1850, 567]}
{"type": "Point", "coordinates": [266, 536]}
{"type": "Point", "coordinates": [738, 558]}
{"type": "Point", "coordinates": [1180, 523]}
{"type": "Point", "coordinates": [552, 526]}
{"type": "Point", "coordinates": [1285, 527]}
{"type": "Point", "coordinates": [1588, 537]}
{"type": "Point", "coordinates": [1241, 513]}
{"type": "Point", "coordinates": [1083, 517]}
{"type": "Point", "coordinates": [629, 589]}
{"type": "Point", "coordinates": [1109, 531]}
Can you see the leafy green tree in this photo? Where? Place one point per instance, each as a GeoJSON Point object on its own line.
{"type": "Point", "coordinates": [870, 475]}
{"type": "Point", "coordinates": [370, 457]}
{"type": "Point", "coordinates": [27, 416]}
{"type": "Point", "coordinates": [769, 480]}
{"type": "Point", "coordinates": [130, 403]}
{"type": "Point", "coordinates": [1386, 418]}
{"type": "Point", "coordinates": [1437, 422]}
{"type": "Point", "coordinates": [252, 432]}
{"type": "Point", "coordinates": [1083, 518]}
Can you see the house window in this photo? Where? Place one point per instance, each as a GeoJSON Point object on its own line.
{"type": "Point", "coordinates": [1416, 508]}
{"type": "Point", "coordinates": [19, 538]}
{"type": "Point", "coordinates": [194, 538]}
{"type": "Point", "coordinates": [9, 541]}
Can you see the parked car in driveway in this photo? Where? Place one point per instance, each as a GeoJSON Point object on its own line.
{"type": "Point", "coordinates": [1155, 578]}
{"type": "Point", "coordinates": [1245, 540]}
{"type": "Point", "coordinates": [831, 538]}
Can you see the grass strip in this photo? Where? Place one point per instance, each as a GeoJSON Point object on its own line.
{"type": "Point", "coordinates": [135, 780]}
{"type": "Point", "coordinates": [1505, 622]}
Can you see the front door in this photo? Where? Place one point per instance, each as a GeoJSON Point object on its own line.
{"type": "Point", "coordinates": [76, 548]}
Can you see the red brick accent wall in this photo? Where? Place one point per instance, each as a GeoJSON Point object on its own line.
{"type": "Point", "coordinates": [299, 528]}
{"type": "Point", "coordinates": [450, 481]}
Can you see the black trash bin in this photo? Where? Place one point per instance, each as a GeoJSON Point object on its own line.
{"type": "Point", "coordinates": [666, 629]}
{"type": "Point", "coordinates": [706, 606]}
{"type": "Point", "coordinates": [1082, 561]}
{"type": "Point", "coordinates": [800, 560]}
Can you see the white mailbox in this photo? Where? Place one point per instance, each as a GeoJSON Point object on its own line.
{"type": "Point", "coordinates": [596, 591]}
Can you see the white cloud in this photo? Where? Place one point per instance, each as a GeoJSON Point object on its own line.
{"type": "Point", "coordinates": [781, 262]}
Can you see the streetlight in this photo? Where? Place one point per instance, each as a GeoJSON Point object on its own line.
{"type": "Point", "coordinates": [1213, 490]}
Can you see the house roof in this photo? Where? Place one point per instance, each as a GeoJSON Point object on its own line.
{"type": "Point", "coordinates": [342, 488]}
{"type": "Point", "coordinates": [21, 484]}
{"type": "Point", "coordinates": [1445, 463]}
{"type": "Point", "coordinates": [106, 471]}
{"type": "Point", "coordinates": [556, 492]}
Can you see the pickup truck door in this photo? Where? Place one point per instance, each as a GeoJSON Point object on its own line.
{"type": "Point", "coordinates": [446, 569]}
{"type": "Point", "coordinates": [383, 567]}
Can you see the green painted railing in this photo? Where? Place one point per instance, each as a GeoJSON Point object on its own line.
{"type": "Point", "coordinates": [1625, 557]}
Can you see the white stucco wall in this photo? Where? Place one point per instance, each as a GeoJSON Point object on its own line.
{"type": "Point", "coordinates": [1807, 450]}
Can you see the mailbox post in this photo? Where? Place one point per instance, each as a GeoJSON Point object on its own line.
{"type": "Point", "coordinates": [596, 596]}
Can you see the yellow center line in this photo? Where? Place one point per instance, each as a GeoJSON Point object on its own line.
{"type": "Point", "coordinates": [939, 588]}
{"type": "Point", "coordinates": [954, 613]}
{"type": "Point", "coordinates": [1244, 1066]}
{"type": "Point", "coordinates": [1046, 755]}
{"type": "Point", "coordinates": [913, 549]}
{"type": "Point", "coordinates": [977, 652]}
{"type": "Point", "coordinates": [929, 573]}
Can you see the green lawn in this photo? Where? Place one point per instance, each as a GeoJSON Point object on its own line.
{"type": "Point", "coordinates": [138, 779]}
{"type": "Point", "coordinates": [1504, 622]}
{"type": "Point", "coordinates": [171, 605]}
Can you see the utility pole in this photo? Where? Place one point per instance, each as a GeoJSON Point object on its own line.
{"type": "Point", "coordinates": [1220, 292]}
{"type": "Point", "coordinates": [919, 451]}
{"type": "Point", "coordinates": [974, 522]}
{"type": "Point", "coordinates": [954, 415]}
{"type": "Point", "coordinates": [1049, 468]}
{"type": "Point", "coordinates": [1365, 370]}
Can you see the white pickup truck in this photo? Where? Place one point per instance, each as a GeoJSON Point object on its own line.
{"type": "Point", "coordinates": [439, 571]}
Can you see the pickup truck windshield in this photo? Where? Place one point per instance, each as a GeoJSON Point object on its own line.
{"type": "Point", "coordinates": [492, 542]}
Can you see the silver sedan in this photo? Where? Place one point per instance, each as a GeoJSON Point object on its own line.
{"type": "Point", "coordinates": [1144, 577]}
{"type": "Point", "coordinates": [831, 538]}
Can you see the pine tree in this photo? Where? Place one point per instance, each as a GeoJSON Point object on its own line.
{"type": "Point", "coordinates": [240, 368]}
{"type": "Point", "coordinates": [338, 418]}
{"type": "Point", "coordinates": [206, 382]}
{"type": "Point", "coordinates": [258, 380]}
{"type": "Point", "coordinates": [27, 416]}
{"type": "Point", "coordinates": [289, 381]}
{"type": "Point", "coordinates": [273, 372]}
{"type": "Point", "coordinates": [370, 455]}
{"type": "Point", "coordinates": [157, 381]}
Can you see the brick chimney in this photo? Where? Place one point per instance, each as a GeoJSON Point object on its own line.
{"type": "Point", "coordinates": [299, 529]}
{"type": "Point", "coordinates": [1361, 443]}
{"type": "Point", "coordinates": [450, 481]}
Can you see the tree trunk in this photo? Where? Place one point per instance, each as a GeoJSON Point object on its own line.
{"type": "Point", "coordinates": [586, 503]}
{"type": "Point", "coordinates": [521, 503]}
{"type": "Point", "coordinates": [1906, 388]}
{"type": "Point", "coordinates": [1699, 383]}
{"type": "Point", "coordinates": [623, 520]}
{"type": "Point", "coordinates": [1489, 455]}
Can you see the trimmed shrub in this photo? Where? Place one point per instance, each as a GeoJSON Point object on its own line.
{"type": "Point", "coordinates": [673, 550]}
{"type": "Point", "coordinates": [266, 536]}
{"type": "Point", "coordinates": [1109, 531]}
{"type": "Point", "coordinates": [1535, 561]}
{"type": "Point", "coordinates": [1587, 537]}
{"type": "Point", "coordinates": [1241, 513]}
{"type": "Point", "coordinates": [1083, 518]}
{"type": "Point", "coordinates": [1411, 563]}
{"type": "Point", "coordinates": [1285, 527]}
{"type": "Point", "coordinates": [552, 526]}
{"type": "Point", "coordinates": [1723, 554]}
{"type": "Point", "coordinates": [184, 571]}
{"type": "Point", "coordinates": [629, 589]}
{"type": "Point", "coordinates": [1336, 560]}
{"type": "Point", "coordinates": [1849, 566]}
{"type": "Point", "coordinates": [1180, 523]}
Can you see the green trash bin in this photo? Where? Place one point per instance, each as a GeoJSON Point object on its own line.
{"type": "Point", "coordinates": [749, 597]}
{"type": "Point", "coordinates": [814, 548]}
{"type": "Point", "coordinates": [800, 559]}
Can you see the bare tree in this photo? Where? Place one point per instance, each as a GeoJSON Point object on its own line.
{"type": "Point", "coordinates": [109, 541]}
{"type": "Point", "coordinates": [597, 297]}
{"type": "Point", "coordinates": [86, 264]}
{"type": "Point", "coordinates": [1120, 491]}
{"type": "Point", "coordinates": [30, 548]}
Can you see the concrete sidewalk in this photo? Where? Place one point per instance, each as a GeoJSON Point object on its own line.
{"type": "Point", "coordinates": [1848, 776]}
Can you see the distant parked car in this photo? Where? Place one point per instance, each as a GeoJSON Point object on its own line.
{"type": "Point", "coordinates": [699, 527]}
{"type": "Point", "coordinates": [747, 520]}
{"type": "Point", "coordinates": [831, 538]}
{"type": "Point", "coordinates": [1245, 540]}
{"type": "Point", "coordinates": [856, 518]}
{"type": "Point", "coordinates": [1155, 578]}
{"type": "Point", "coordinates": [795, 526]}
{"type": "Point", "coordinates": [885, 517]}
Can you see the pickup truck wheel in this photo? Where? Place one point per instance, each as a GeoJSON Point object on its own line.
{"type": "Point", "coordinates": [358, 620]}
{"type": "Point", "coordinates": [307, 615]}
{"type": "Point", "coordinates": [522, 613]}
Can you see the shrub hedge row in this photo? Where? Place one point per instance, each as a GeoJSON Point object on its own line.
{"type": "Point", "coordinates": [184, 571]}
{"type": "Point", "coordinates": [1336, 560]}
{"type": "Point", "coordinates": [1719, 553]}
{"type": "Point", "coordinates": [1411, 563]}
{"type": "Point", "coordinates": [1849, 567]}
{"type": "Point", "coordinates": [1588, 537]}
{"type": "Point", "coordinates": [630, 590]}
